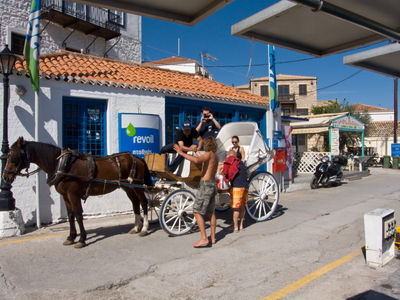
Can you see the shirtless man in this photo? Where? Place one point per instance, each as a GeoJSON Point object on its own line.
{"type": "Point", "coordinates": [204, 203]}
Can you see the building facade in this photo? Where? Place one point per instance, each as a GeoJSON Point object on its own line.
{"type": "Point", "coordinates": [181, 64]}
{"type": "Point", "coordinates": [82, 98]}
{"type": "Point", "coordinates": [296, 94]}
{"type": "Point", "coordinates": [74, 27]}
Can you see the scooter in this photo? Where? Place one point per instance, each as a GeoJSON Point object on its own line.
{"type": "Point", "coordinates": [328, 173]}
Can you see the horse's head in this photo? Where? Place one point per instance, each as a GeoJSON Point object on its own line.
{"type": "Point", "coordinates": [17, 160]}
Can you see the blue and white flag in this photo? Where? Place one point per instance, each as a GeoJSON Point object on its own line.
{"type": "Point", "coordinates": [273, 95]}
{"type": "Point", "coordinates": [31, 48]}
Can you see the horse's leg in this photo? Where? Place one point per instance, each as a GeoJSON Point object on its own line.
{"type": "Point", "coordinates": [71, 218]}
{"type": "Point", "coordinates": [136, 209]}
{"type": "Point", "coordinates": [78, 211]}
{"type": "Point", "coordinates": [143, 202]}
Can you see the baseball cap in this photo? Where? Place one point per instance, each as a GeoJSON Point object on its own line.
{"type": "Point", "coordinates": [186, 125]}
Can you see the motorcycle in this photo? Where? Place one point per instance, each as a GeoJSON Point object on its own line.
{"type": "Point", "coordinates": [328, 172]}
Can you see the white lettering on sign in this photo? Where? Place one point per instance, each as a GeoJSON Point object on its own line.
{"type": "Point", "coordinates": [148, 139]}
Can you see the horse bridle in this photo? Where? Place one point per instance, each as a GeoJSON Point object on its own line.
{"type": "Point", "coordinates": [23, 163]}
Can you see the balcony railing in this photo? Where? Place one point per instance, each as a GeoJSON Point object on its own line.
{"type": "Point", "coordinates": [287, 98]}
{"type": "Point", "coordinates": [88, 19]}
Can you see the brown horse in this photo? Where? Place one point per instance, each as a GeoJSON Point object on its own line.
{"type": "Point", "coordinates": [77, 180]}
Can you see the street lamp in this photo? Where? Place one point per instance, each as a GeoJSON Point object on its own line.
{"type": "Point", "coordinates": [7, 60]}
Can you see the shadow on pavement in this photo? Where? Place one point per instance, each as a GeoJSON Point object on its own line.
{"type": "Point", "coordinates": [371, 295]}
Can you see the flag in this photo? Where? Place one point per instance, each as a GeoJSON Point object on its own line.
{"type": "Point", "coordinates": [273, 95]}
{"type": "Point", "coordinates": [31, 48]}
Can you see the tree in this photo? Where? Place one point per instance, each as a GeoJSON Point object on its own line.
{"type": "Point", "coordinates": [347, 138]}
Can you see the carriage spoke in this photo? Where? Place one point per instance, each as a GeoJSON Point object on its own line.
{"type": "Point", "coordinates": [263, 206]}
{"type": "Point", "coordinates": [180, 202]}
{"type": "Point", "coordinates": [176, 220]}
{"type": "Point", "coordinates": [170, 219]}
{"type": "Point", "coordinates": [179, 226]}
{"type": "Point", "coordinates": [184, 203]}
{"type": "Point", "coordinates": [251, 207]}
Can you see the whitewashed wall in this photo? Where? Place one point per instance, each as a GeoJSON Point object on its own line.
{"type": "Point", "coordinates": [21, 123]}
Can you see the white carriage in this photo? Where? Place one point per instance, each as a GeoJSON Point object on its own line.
{"type": "Point", "coordinates": [171, 200]}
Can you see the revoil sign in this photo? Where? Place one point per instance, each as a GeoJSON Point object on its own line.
{"type": "Point", "coordinates": [139, 133]}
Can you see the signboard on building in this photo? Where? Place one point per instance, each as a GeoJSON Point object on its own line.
{"type": "Point", "coordinates": [347, 122]}
{"type": "Point", "coordinates": [395, 149]}
{"type": "Point", "coordinates": [335, 141]}
{"type": "Point", "coordinates": [139, 133]}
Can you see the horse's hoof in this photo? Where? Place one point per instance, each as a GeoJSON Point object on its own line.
{"type": "Point", "coordinates": [143, 233]}
{"type": "Point", "coordinates": [68, 243]}
{"type": "Point", "coordinates": [132, 231]}
{"type": "Point", "coordinates": [80, 245]}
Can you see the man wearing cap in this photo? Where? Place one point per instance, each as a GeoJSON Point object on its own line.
{"type": "Point", "coordinates": [184, 139]}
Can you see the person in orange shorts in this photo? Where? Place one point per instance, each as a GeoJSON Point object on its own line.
{"type": "Point", "coordinates": [235, 171]}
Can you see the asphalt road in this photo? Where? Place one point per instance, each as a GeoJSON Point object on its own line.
{"type": "Point", "coordinates": [310, 250]}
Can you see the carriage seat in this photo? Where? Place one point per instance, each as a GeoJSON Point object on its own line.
{"type": "Point", "coordinates": [183, 169]}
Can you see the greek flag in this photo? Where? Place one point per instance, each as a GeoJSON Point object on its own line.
{"type": "Point", "coordinates": [273, 95]}
{"type": "Point", "coordinates": [31, 49]}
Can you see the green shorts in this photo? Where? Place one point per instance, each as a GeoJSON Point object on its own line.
{"type": "Point", "coordinates": [205, 198]}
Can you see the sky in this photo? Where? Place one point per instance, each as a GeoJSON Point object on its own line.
{"type": "Point", "coordinates": [213, 36]}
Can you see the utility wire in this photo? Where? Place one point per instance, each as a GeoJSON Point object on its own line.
{"type": "Point", "coordinates": [262, 64]}
{"type": "Point", "coordinates": [340, 81]}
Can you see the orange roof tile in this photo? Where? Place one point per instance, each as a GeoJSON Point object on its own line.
{"type": "Point", "coordinates": [382, 128]}
{"type": "Point", "coordinates": [89, 69]}
{"type": "Point", "coordinates": [363, 107]}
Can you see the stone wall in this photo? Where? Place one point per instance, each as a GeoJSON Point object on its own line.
{"type": "Point", "coordinates": [14, 18]}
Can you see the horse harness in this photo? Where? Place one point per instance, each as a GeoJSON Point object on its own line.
{"type": "Point", "coordinates": [68, 157]}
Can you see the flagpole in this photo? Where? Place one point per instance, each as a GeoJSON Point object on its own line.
{"type": "Point", "coordinates": [31, 55]}
{"type": "Point", "coordinates": [38, 223]}
{"type": "Point", "coordinates": [270, 113]}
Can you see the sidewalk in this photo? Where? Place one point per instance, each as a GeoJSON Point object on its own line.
{"type": "Point", "coordinates": [302, 181]}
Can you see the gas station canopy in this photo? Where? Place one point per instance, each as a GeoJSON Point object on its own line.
{"type": "Point", "coordinates": [179, 11]}
{"type": "Point", "coordinates": [312, 31]}
{"type": "Point", "coordinates": [384, 60]}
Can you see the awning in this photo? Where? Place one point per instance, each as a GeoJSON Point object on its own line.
{"type": "Point", "coordinates": [179, 11]}
{"type": "Point", "coordinates": [309, 130]}
{"type": "Point", "coordinates": [300, 28]}
{"type": "Point", "coordinates": [384, 60]}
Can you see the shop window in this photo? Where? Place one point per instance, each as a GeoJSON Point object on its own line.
{"type": "Point", "coordinates": [176, 113]}
{"type": "Point", "coordinates": [17, 43]}
{"type": "Point", "coordinates": [264, 90]}
{"type": "Point", "coordinates": [283, 90]}
{"type": "Point", "coordinates": [303, 89]}
{"type": "Point", "coordinates": [302, 112]}
{"type": "Point", "coordinates": [84, 125]}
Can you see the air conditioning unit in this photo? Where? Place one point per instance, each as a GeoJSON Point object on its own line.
{"type": "Point", "coordinates": [379, 227]}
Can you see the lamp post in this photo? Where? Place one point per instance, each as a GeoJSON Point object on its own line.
{"type": "Point", "coordinates": [7, 60]}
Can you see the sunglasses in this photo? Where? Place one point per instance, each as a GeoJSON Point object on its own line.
{"type": "Point", "coordinates": [235, 142]}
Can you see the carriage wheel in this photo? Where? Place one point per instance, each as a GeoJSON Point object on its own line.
{"type": "Point", "coordinates": [263, 196]}
{"type": "Point", "coordinates": [176, 216]}
{"type": "Point", "coordinates": [154, 201]}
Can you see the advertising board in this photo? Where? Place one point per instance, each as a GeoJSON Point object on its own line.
{"type": "Point", "coordinates": [139, 133]}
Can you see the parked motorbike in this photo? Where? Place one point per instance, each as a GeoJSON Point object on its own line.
{"type": "Point", "coordinates": [328, 172]}
{"type": "Point", "coordinates": [373, 161]}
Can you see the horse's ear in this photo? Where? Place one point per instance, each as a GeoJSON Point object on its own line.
{"type": "Point", "coordinates": [20, 141]}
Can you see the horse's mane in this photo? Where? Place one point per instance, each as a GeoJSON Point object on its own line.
{"type": "Point", "coordinates": [46, 153]}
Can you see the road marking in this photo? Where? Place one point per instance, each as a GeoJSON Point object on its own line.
{"type": "Point", "coordinates": [33, 238]}
{"type": "Point", "coordinates": [310, 277]}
